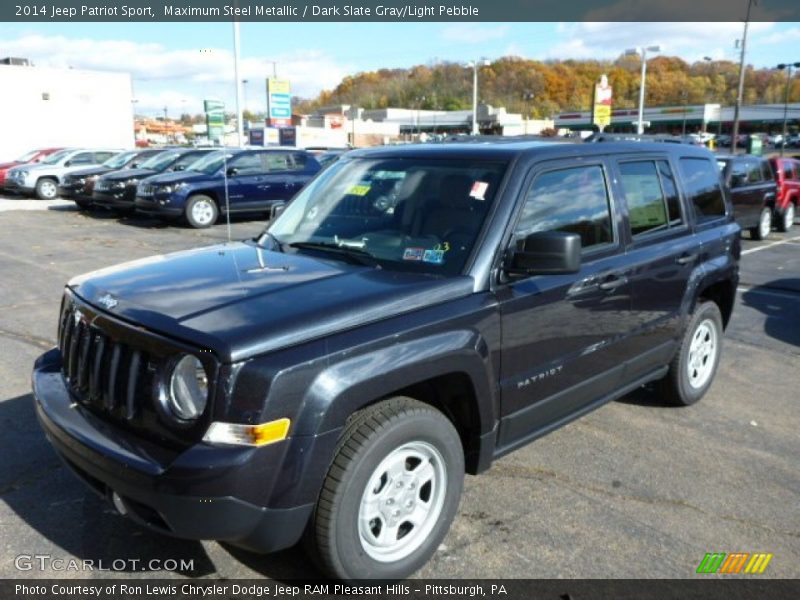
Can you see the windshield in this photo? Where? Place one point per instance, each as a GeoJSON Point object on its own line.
{"type": "Point", "coordinates": [160, 161]}
{"type": "Point", "coordinates": [211, 163]}
{"type": "Point", "coordinates": [120, 160]}
{"type": "Point", "coordinates": [55, 157]}
{"type": "Point", "coordinates": [408, 214]}
{"type": "Point", "coordinates": [28, 156]}
{"type": "Point", "coordinates": [187, 160]}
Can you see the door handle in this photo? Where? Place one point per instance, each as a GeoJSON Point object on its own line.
{"type": "Point", "coordinates": [686, 259]}
{"type": "Point", "coordinates": [612, 284]}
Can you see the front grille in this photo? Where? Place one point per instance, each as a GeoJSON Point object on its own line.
{"type": "Point", "coordinates": [105, 374]}
{"type": "Point", "coordinates": [101, 185]}
{"type": "Point", "coordinates": [117, 372]}
{"type": "Point", "coordinates": [146, 189]}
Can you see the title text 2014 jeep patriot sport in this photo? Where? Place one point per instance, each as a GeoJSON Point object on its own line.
{"type": "Point", "coordinates": [413, 314]}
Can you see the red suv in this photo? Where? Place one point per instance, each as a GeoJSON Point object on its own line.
{"type": "Point", "coordinates": [787, 174]}
{"type": "Point", "coordinates": [34, 156]}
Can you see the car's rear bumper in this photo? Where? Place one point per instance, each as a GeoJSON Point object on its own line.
{"type": "Point", "coordinates": [184, 497]}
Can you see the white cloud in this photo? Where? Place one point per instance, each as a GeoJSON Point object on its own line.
{"type": "Point", "coordinates": [690, 41]}
{"type": "Point", "coordinates": [781, 37]}
{"type": "Point", "coordinates": [473, 33]}
{"type": "Point", "coordinates": [174, 71]}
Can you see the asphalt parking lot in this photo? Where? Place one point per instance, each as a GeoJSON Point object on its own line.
{"type": "Point", "coordinates": [635, 489]}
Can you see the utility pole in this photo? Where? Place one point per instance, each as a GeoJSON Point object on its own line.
{"type": "Point", "coordinates": [738, 106]}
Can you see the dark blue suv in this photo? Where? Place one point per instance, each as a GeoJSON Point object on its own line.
{"type": "Point", "coordinates": [253, 180]}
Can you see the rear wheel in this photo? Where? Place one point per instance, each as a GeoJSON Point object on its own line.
{"type": "Point", "coordinates": [201, 211]}
{"type": "Point", "coordinates": [786, 220]}
{"type": "Point", "coordinates": [693, 368]}
{"type": "Point", "coordinates": [761, 231]}
{"type": "Point", "coordinates": [391, 493]}
{"type": "Point", "coordinates": [46, 189]}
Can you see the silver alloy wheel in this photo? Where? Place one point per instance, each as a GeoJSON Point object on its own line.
{"type": "Point", "coordinates": [788, 217]}
{"type": "Point", "coordinates": [202, 212]}
{"type": "Point", "coordinates": [702, 354]}
{"type": "Point", "coordinates": [765, 224]}
{"type": "Point", "coordinates": [402, 502]}
{"type": "Point", "coordinates": [48, 189]}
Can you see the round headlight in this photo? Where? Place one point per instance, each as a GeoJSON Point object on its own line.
{"type": "Point", "coordinates": [188, 388]}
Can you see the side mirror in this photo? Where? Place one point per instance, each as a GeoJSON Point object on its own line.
{"type": "Point", "coordinates": [232, 171]}
{"type": "Point", "coordinates": [179, 168]}
{"type": "Point", "coordinates": [546, 253]}
{"type": "Point", "coordinates": [738, 180]}
{"type": "Point", "coordinates": [276, 210]}
{"type": "Point", "coordinates": [69, 163]}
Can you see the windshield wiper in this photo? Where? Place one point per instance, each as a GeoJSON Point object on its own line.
{"type": "Point", "coordinates": [356, 255]}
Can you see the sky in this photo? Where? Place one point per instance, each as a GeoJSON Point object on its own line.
{"type": "Point", "coordinates": [178, 65]}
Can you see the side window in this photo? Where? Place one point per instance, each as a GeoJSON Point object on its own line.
{"type": "Point", "coordinates": [277, 161]}
{"type": "Point", "coordinates": [651, 204]}
{"type": "Point", "coordinates": [702, 184]}
{"type": "Point", "coordinates": [298, 161]}
{"type": "Point", "coordinates": [738, 173]}
{"type": "Point", "coordinates": [754, 174]}
{"type": "Point", "coordinates": [101, 157]}
{"type": "Point", "coordinates": [249, 164]}
{"type": "Point", "coordinates": [574, 200]}
{"type": "Point", "coordinates": [766, 171]}
{"type": "Point", "coordinates": [82, 158]}
{"type": "Point", "coordinates": [788, 171]}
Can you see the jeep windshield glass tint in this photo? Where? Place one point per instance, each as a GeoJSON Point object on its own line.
{"type": "Point", "coordinates": [211, 163]}
{"type": "Point", "coordinates": [160, 161]}
{"type": "Point", "coordinates": [118, 161]}
{"type": "Point", "coordinates": [411, 214]}
{"type": "Point", "coordinates": [56, 156]}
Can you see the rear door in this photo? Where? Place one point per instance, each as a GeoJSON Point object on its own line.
{"type": "Point", "coordinates": [245, 175]}
{"type": "Point", "coordinates": [282, 176]}
{"type": "Point", "coordinates": [662, 254]}
{"type": "Point", "coordinates": [562, 334]}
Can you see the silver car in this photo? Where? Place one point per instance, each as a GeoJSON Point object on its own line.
{"type": "Point", "coordinates": [43, 179]}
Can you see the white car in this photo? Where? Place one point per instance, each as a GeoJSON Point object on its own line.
{"type": "Point", "coordinates": [43, 179]}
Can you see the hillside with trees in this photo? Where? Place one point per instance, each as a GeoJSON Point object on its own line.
{"type": "Point", "coordinates": [542, 89]}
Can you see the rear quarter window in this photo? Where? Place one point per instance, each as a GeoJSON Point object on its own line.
{"type": "Point", "coordinates": [701, 181]}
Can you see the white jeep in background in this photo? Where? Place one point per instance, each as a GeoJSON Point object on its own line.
{"type": "Point", "coordinates": [43, 179]}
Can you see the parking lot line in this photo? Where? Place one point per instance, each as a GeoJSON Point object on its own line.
{"type": "Point", "coordinates": [794, 239]}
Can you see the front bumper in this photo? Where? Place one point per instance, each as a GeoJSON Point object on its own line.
{"type": "Point", "coordinates": [184, 495]}
{"type": "Point", "coordinates": [119, 199]}
{"type": "Point", "coordinates": [150, 206]}
{"type": "Point", "coordinates": [16, 187]}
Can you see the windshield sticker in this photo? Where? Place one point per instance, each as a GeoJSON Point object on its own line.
{"type": "Point", "coordinates": [359, 190]}
{"type": "Point", "coordinates": [444, 247]}
{"type": "Point", "coordinates": [435, 257]}
{"type": "Point", "coordinates": [414, 253]}
{"type": "Point", "coordinates": [478, 190]}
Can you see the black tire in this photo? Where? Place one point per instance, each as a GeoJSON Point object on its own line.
{"type": "Point", "coordinates": [785, 220]}
{"type": "Point", "coordinates": [46, 189]}
{"type": "Point", "coordinates": [677, 387]}
{"type": "Point", "coordinates": [761, 231]}
{"type": "Point", "coordinates": [375, 435]}
{"type": "Point", "coordinates": [192, 215]}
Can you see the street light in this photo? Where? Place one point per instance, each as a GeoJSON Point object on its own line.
{"type": "Point", "coordinates": [685, 98]}
{"type": "Point", "coordinates": [788, 67]}
{"type": "Point", "coordinates": [643, 52]}
{"type": "Point", "coordinates": [481, 62]}
{"type": "Point", "coordinates": [528, 98]}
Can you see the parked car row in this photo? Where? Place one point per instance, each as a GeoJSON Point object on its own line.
{"type": "Point", "coordinates": [193, 184]}
{"type": "Point", "coordinates": [764, 192]}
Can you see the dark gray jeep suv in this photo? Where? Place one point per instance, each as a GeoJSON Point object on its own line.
{"type": "Point", "coordinates": [414, 313]}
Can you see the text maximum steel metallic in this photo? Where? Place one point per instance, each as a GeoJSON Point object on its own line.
{"type": "Point", "coordinates": [413, 314]}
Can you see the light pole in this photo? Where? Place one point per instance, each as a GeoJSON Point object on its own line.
{"type": "Point", "coordinates": [643, 52]}
{"type": "Point", "coordinates": [738, 106]}
{"type": "Point", "coordinates": [685, 98]}
{"type": "Point", "coordinates": [274, 67]}
{"type": "Point", "coordinates": [788, 67]}
{"type": "Point", "coordinates": [528, 98]}
{"type": "Point", "coordinates": [236, 58]}
{"type": "Point", "coordinates": [481, 62]}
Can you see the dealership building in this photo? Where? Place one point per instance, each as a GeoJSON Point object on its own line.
{"type": "Point", "coordinates": [47, 107]}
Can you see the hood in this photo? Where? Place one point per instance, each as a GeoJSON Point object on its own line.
{"type": "Point", "coordinates": [7, 165]}
{"type": "Point", "coordinates": [125, 174]}
{"type": "Point", "coordinates": [240, 300]}
{"type": "Point", "coordinates": [181, 176]}
{"type": "Point", "coordinates": [90, 172]}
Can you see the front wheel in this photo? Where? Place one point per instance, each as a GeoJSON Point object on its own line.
{"type": "Point", "coordinates": [786, 220]}
{"type": "Point", "coordinates": [761, 231]}
{"type": "Point", "coordinates": [391, 493]}
{"type": "Point", "coordinates": [46, 189]}
{"type": "Point", "coordinates": [201, 211]}
{"type": "Point", "coordinates": [693, 368]}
